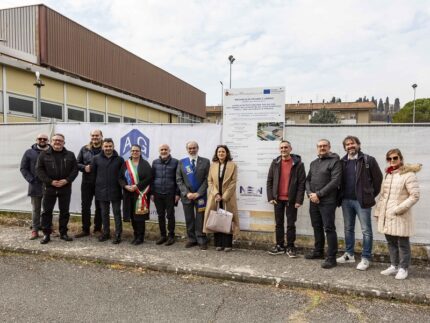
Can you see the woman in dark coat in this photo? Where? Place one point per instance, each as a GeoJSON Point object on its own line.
{"type": "Point", "coordinates": [135, 177]}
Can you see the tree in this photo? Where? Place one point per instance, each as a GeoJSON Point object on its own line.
{"type": "Point", "coordinates": [374, 101]}
{"type": "Point", "coordinates": [333, 100]}
{"type": "Point", "coordinates": [422, 112]}
{"type": "Point", "coordinates": [396, 105]}
{"type": "Point", "coordinates": [324, 116]}
{"type": "Point", "coordinates": [380, 106]}
{"type": "Point", "coordinates": [359, 100]}
{"type": "Point", "coordinates": [387, 105]}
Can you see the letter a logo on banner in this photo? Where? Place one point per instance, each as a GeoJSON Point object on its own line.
{"type": "Point", "coordinates": [134, 137]}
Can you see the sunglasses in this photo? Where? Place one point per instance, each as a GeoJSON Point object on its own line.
{"type": "Point", "coordinates": [42, 139]}
{"type": "Point", "coordinates": [394, 158]}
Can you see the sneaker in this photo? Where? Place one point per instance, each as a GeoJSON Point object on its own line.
{"type": "Point", "coordinates": [34, 235]}
{"type": "Point", "coordinates": [346, 258]}
{"type": "Point", "coordinates": [329, 263]}
{"type": "Point", "coordinates": [315, 255]}
{"type": "Point", "coordinates": [291, 252]}
{"type": "Point", "coordinates": [402, 274]}
{"type": "Point", "coordinates": [364, 264]}
{"type": "Point", "coordinates": [390, 271]}
{"type": "Point", "coordinates": [277, 250]}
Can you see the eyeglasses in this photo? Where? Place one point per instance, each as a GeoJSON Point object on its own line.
{"type": "Point", "coordinates": [394, 158]}
{"type": "Point", "coordinates": [42, 139]}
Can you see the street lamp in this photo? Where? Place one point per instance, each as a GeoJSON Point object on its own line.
{"type": "Point", "coordinates": [414, 86]}
{"type": "Point", "coordinates": [231, 59]}
{"type": "Point", "coordinates": [38, 84]}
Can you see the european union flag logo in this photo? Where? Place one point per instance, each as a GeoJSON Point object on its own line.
{"type": "Point", "coordinates": [266, 91]}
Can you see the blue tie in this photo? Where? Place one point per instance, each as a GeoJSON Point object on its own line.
{"type": "Point", "coordinates": [193, 162]}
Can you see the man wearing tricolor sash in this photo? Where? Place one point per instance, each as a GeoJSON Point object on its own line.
{"type": "Point", "coordinates": [191, 177]}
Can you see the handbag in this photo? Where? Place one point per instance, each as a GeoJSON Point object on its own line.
{"type": "Point", "coordinates": [219, 220]}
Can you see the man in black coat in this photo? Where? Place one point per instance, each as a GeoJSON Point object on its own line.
{"type": "Point", "coordinates": [361, 183]}
{"type": "Point", "coordinates": [106, 167]}
{"type": "Point", "coordinates": [165, 193]}
{"type": "Point", "coordinates": [57, 169]}
{"type": "Point", "coordinates": [85, 157]}
{"type": "Point", "coordinates": [28, 171]}
{"type": "Point", "coordinates": [322, 183]}
{"type": "Point", "coordinates": [285, 191]}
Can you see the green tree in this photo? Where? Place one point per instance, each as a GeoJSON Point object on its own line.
{"type": "Point", "coordinates": [380, 106]}
{"type": "Point", "coordinates": [324, 116]}
{"type": "Point", "coordinates": [396, 105]}
{"type": "Point", "coordinates": [422, 112]}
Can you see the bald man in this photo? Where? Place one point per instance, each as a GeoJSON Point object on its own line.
{"type": "Point", "coordinates": [165, 193]}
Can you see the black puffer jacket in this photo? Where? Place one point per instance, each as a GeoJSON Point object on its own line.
{"type": "Point", "coordinates": [106, 172]}
{"type": "Point", "coordinates": [296, 188]}
{"type": "Point", "coordinates": [164, 176]}
{"type": "Point", "coordinates": [324, 177]}
{"type": "Point", "coordinates": [47, 170]}
{"type": "Point", "coordinates": [28, 170]}
{"type": "Point", "coordinates": [85, 157]}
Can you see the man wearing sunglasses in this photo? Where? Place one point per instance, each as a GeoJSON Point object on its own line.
{"type": "Point", "coordinates": [361, 183]}
{"type": "Point", "coordinates": [28, 170]}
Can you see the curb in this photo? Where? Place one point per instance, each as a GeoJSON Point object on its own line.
{"type": "Point", "coordinates": [415, 298]}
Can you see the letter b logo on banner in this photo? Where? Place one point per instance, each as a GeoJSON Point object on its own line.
{"type": "Point", "coordinates": [134, 137]}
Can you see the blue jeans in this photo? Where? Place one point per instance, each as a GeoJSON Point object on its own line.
{"type": "Point", "coordinates": [351, 209]}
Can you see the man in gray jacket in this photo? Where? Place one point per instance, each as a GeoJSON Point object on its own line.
{"type": "Point", "coordinates": [322, 183]}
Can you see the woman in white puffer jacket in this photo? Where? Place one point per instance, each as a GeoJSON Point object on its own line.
{"type": "Point", "coordinates": [399, 192]}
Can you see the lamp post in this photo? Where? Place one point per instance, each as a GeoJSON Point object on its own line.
{"type": "Point", "coordinates": [38, 84]}
{"type": "Point", "coordinates": [414, 86]}
{"type": "Point", "coordinates": [231, 59]}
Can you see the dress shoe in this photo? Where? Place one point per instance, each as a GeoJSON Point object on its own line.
{"type": "Point", "coordinates": [190, 244]}
{"type": "Point", "coordinates": [219, 248]}
{"type": "Point", "coordinates": [97, 230]}
{"type": "Point", "coordinates": [314, 255]}
{"type": "Point", "coordinates": [161, 240]}
{"type": "Point", "coordinates": [228, 249]}
{"type": "Point", "coordinates": [170, 241]}
{"type": "Point", "coordinates": [104, 237]}
{"type": "Point", "coordinates": [65, 237]}
{"type": "Point", "coordinates": [133, 241]}
{"type": "Point", "coordinates": [138, 241]}
{"type": "Point", "coordinates": [82, 234]}
{"type": "Point", "coordinates": [329, 263]}
{"type": "Point", "coordinates": [45, 239]}
{"type": "Point", "coordinates": [126, 220]}
{"type": "Point", "coordinates": [117, 239]}
{"type": "Point", "coordinates": [34, 235]}
{"type": "Point", "coordinates": [204, 246]}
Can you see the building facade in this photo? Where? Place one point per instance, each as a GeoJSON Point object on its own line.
{"type": "Point", "coordinates": [83, 76]}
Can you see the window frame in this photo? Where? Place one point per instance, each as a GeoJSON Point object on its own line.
{"type": "Point", "coordinates": [83, 110]}
{"type": "Point", "coordinates": [21, 97]}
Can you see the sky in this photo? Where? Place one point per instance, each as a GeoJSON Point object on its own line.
{"type": "Point", "coordinates": [315, 49]}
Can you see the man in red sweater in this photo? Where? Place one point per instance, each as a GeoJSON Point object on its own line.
{"type": "Point", "coordinates": [285, 190]}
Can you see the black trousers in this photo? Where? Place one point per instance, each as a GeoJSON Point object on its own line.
{"type": "Point", "coordinates": [282, 209]}
{"type": "Point", "coordinates": [116, 208]}
{"type": "Point", "coordinates": [194, 222]}
{"type": "Point", "coordinates": [87, 195]}
{"type": "Point", "coordinates": [165, 205]}
{"type": "Point", "coordinates": [48, 207]}
{"type": "Point", "coordinates": [323, 220]}
{"type": "Point", "coordinates": [223, 240]}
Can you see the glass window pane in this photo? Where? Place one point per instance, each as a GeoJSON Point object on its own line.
{"type": "Point", "coordinates": [20, 105]}
{"type": "Point", "coordinates": [49, 110]}
{"type": "Point", "coordinates": [75, 115]}
{"type": "Point", "coordinates": [129, 120]}
{"type": "Point", "coordinates": [95, 117]}
{"type": "Point", "coordinates": [114, 119]}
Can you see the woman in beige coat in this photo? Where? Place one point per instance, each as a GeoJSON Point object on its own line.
{"type": "Point", "coordinates": [222, 189]}
{"type": "Point", "coordinates": [399, 192]}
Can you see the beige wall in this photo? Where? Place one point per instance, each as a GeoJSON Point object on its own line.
{"type": "Point", "coordinates": [76, 96]}
{"type": "Point", "coordinates": [114, 105]}
{"type": "Point", "coordinates": [52, 91]}
{"type": "Point", "coordinates": [164, 117]}
{"type": "Point", "coordinates": [142, 113]}
{"type": "Point", "coordinates": [1, 77]}
{"type": "Point", "coordinates": [363, 117]}
{"type": "Point", "coordinates": [96, 101]}
{"type": "Point", "coordinates": [154, 116]}
{"type": "Point", "coordinates": [20, 82]}
{"type": "Point", "coordinates": [1, 118]}
{"type": "Point", "coordinates": [13, 119]}
{"type": "Point", "coordinates": [129, 109]}
{"type": "Point", "coordinates": [174, 118]}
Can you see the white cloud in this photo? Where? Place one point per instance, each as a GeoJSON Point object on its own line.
{"type": "Point", "coordinates": [315, 48]}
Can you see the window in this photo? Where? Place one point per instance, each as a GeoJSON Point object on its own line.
{"type": "Point", "coordinates": [96, 117]}
{"type": "Point", "coordinates": [21, 105]}
{"type": "Point", "coordinates": [74, 114]}
{"type": "Point", "coordinates": [50, 110]}
{"type": "Point", "coordinates": [129, 120]}
{"type": "Point", "coordinates": [113, 119]}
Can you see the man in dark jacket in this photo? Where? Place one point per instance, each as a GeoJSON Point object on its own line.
{"type": "Point", "coordinates": [361, 183]}
{"type": "Point", "coordinates": [28, 171]}
{"type": "Point", "coordinates": [322, 183]}
{"type": "Point", "coordinates": [165, 193]}
{"type": "Point", "coordinates": [85, 157]}
{"type": "Point", "coordinates": [285, 190]}
{"type": "Point", "coordinates": [106, 167]}
{"type": "Point", "coordinates": [57, 169]}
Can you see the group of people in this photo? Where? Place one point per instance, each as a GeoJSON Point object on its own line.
{"type": "Point", "coordinates": [354, 182]}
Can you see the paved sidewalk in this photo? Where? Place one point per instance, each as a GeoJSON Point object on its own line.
{"type": "Point", "coordinates": [253, 266]}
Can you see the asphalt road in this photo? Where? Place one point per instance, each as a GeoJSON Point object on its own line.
{"type": "Point", "coordinates": [36, 288]}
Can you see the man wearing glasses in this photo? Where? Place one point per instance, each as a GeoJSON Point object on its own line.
{"type": "Point", "coordinates": [28, 170]}
{"type": "Point", "coordinates": [322, 183]}
{"type": "Point", "coordinates": [57, 169]}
